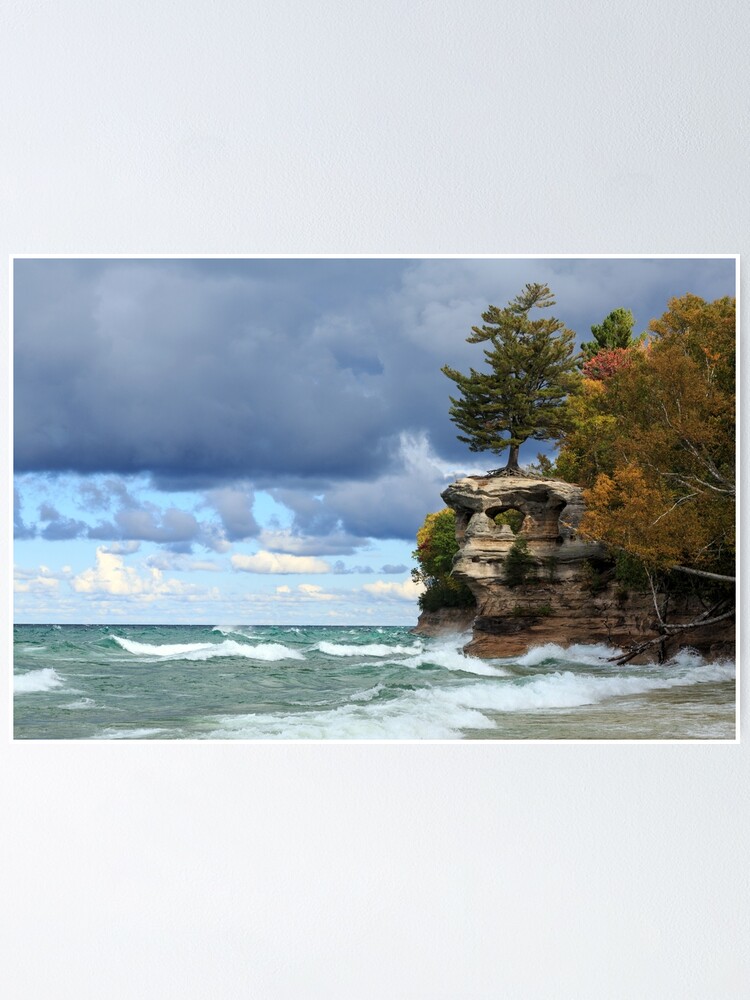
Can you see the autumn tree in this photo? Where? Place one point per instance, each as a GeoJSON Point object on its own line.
{"type": "Point", "coordinates": [436, 547]}
{"type": "Point", "coordinates": [603, 365]}
{"type": "Point", "coordinates": [531, 370]}
{"type": "Point", "coordinates": [671, 432]}
{"type": "Point", "coordinates": [654, 441]}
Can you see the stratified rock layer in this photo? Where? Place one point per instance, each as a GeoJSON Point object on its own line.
{"type": "Point", "coordinates": [570, 594]}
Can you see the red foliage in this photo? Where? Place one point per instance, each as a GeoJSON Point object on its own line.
{"type": "Point", "coordinates": [606, 363]}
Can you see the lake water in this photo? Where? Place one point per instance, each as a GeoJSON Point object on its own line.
{"type": "Point", "coordinates": [177, 682]}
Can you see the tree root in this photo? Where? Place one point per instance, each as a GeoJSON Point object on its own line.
{"type": "Point", "coordinates": [508, 472]}
{"type": "Point", "coordinates": [667, 632]}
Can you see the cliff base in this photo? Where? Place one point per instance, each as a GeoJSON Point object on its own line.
{"type": "Point", "coordinates": [545, 583]}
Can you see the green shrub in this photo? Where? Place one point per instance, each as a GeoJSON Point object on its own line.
{"type": "Point", "coordinates": [521, 611]}
{"type": "Point", "coordinates": [434, 554]}
{"type": "Point", "coordinates": [446, 593]}
{"type": "Point", "coordinates": [592, 578]}
{"type": "Point", "coordinates": [519, 566]}
{"type": "Point", "coordinates": [630, 573]}
{"type": "Point", "coordinates": [550, 567]}
{"type": "Point", "coordinates": [513, 518]}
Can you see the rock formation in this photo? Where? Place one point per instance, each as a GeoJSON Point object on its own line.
{"type": "Point", "coordinates": [556, 586]}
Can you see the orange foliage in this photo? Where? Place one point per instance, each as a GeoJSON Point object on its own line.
{"type": "Point", "coordinates": [655, 442]}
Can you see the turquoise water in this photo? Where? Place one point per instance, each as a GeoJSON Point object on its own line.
{"type": "Point", "coordinates": [320, 682]}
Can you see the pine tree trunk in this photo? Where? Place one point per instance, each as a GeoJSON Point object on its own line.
{"type": "Point", "coordinates": [512, 465]}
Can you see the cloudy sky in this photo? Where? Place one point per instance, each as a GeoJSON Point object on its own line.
{"type": "Point", "coordinates": [256, 441]}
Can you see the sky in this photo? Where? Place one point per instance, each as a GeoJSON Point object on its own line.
{"type": "Point", "coordinates": [256, 441]}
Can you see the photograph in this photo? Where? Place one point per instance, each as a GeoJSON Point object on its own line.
{"type": "Point", "coordinates": [374, 498]}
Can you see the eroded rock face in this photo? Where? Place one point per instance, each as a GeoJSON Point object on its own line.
{"type": "Point", "coordinates": [445, 621]}
{"type": "Point", "coordinates": [552, 514]}
{"type": "Point", "coordinates": [569, 595]}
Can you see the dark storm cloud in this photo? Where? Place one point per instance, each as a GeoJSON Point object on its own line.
{"type": "Point", "coordinates": [194, 371]}
{"type": "Point", "coordinates": [203, 373]}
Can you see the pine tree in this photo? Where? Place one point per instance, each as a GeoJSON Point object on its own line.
{"type": "Point", "coordinates": [531, 371]}
{"type": "Point", "coordinates": [615, 331]}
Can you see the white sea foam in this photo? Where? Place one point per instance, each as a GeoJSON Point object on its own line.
{"type": "Point", "coordinates": [402, 718]}
{"type": "Point", "coordinates": [450, 657]}
{"type": "Point", "coordinates": [46, 679]}
{"type": "Point", "coordinates": [264, 651]}
{"type": "Point", "coordinates": [588, 655]}
{"type": "Point", "coordinates": [129, 734]}
{"type": "Point", "coordinates": [601, 655]}
{"type": "Point", "coordinates": [147, 649]}
{"type": "Point", "coordinates": [565, 689]}
{"type": "Point", "coordinates": [367, 695]}
{"type": "Point", "coordinates": [82, 703]}
{"type": "Point", "coordinates": [235, 630]}
{"type": "Point", "coordinates": [444, 713]}
{"type": "Point", "coordinates": [210, 650]}
{"type": "Point", "coordinates": [371, 649]}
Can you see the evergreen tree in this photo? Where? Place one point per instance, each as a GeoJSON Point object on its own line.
{"type": "Point", "coordinates": [615, 331]}
{"type": "Point", "coordinates": [532, 369]}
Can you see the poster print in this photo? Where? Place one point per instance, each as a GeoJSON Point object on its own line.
{"type": "Point", "coordinates": [374, 498]}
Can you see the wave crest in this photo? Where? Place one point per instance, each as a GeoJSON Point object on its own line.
{"type": "Point", "coordinates": [371, 649]}
{"type": "Point", "coordinates": [46, 679]}
{"type": "Point", "coordinates": [210, 650]}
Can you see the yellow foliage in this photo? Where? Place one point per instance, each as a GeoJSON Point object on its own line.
{"type": "Point", "coordinates": [638, 513]}
{"type": "Point", "coordinates": [656, 443]}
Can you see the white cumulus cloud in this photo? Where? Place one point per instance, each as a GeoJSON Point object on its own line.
{"type": "Point", "coordinates": [274, 562]}
{"type": "Point", "coordinates": [381, 590]}
{"type": "Point", "coordinates": [315, 592]}
{"type": "Point", "coordinates": [110, 575]}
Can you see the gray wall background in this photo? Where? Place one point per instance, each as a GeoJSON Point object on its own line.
{"type": "Point", "coordinates": [384, 871]}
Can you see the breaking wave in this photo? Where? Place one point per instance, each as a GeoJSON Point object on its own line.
{"type": "Point", "coordinates": [46, 679]}
{"type": "Point", "coordinates": [589, 655]}
{"type": "Point", "coordinates": [235, 630]}
{"type": "Point", "coordinates": [371, 649]}
{"type": "Point", "coordinates": [405, 718]}
{"type": "Point", "coordinates": [210, 650]}
{"type": "Point", "coordinates": [444, 713]}
{"type": "Point", "coordinates": [451, 657]}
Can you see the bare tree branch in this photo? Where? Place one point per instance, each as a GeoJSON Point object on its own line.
{"type": "Point", "coordinates": [673, 507]}
{"type": "Point", "coordinates": [670, 630]}
{"type": "Point", "coordinates": [704, 573]}
{"type": "Point", "coordinates": [699, 622]}
{"type": "Point", "coordinates": [655, 600]}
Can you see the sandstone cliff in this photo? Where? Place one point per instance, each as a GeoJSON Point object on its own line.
{"type": "Point", "coordinates": [569, 593]}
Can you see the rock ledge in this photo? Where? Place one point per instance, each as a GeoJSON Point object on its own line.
{"type": "Point", "coordinates": [570, 594]}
